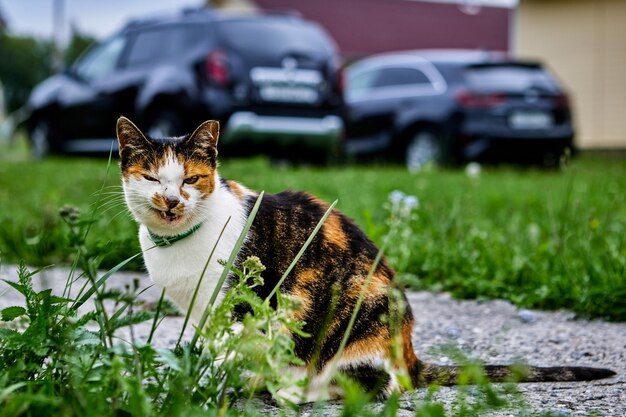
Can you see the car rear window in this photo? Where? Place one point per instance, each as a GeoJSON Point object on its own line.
{"type": "Point", "coordinates": [508, 78]}
{"type": "Point", "coordinates": [274, 37]}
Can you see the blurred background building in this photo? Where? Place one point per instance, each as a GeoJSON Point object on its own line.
{"type": "Point", "coordinates": [583, 42]}
{"type": "Point", "coordinates": [363, 27]}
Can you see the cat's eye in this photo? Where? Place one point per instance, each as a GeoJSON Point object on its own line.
{"type": "Point", "coordinates": [191, 180]}
{"type": "Point", "coordinates": [150, 178]}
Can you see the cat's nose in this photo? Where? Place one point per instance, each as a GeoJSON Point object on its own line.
{"type": "Point", "coordinates": [172, 202]}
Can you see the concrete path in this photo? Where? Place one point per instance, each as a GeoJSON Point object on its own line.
{"type": "Point", "coordinates": [494, 331]}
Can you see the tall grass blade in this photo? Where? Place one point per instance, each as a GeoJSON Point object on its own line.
{"type": "Point", "coordinates": [195, 293]}
{"type": "Point", "coordinates": [99, 195]}
{"type": "Point", "coordinates": [155, 322]}
{"type": "Point", "coordinates": [101, 281]}
{"type": "Point", "coordinates": [227, 268]}
{"type": "Point", "coordinates": [355, 312]}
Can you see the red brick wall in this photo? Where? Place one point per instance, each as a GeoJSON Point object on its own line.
{"type": "Point", "coordinates": [362, 27]}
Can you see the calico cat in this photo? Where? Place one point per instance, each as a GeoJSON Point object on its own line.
{"type": "Point", "coordinates": [173, 189]}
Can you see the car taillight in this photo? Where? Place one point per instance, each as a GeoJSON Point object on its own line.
{"type": "Point", "coordinates": [341, 80]}
{"type": "Point", "coordinates": [561, 101]}
{"type": "Point", "coordinates": [476, 100]}
{"type": "Point", "coordinates": [217, 67]}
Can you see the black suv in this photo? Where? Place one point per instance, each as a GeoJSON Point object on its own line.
{"type": "Point", "coordinates": [264, 77]}
{"type": "Point", "coordinates": [455, 105]}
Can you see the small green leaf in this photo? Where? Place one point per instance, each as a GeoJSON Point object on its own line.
{"type": "Point", "coordinates": [101, 281]}
{"type": "Point", "coordinates": [11, 313]}
{"type": "Point", "coordinates": [131, 319]}
{"type": "Point", "coordinates": [54, 299]}
{"type": "Point", "coordinates": [85, 337]}
{"type": "Point", "coordinates": [7, 333]}
{"type": "Point", "coordinates": [169, 358]}
{"type": "Point", "coordinates": [18, 287]}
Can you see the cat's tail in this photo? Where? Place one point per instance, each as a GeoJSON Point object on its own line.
{"type": "Point", "coordinates": [426, 374]}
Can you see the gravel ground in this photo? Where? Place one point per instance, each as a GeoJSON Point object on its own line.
{"type": "Point", "coordinates": [494, 331]}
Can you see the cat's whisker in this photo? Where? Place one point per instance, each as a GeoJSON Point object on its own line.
{"type": "Point", "coordinates": [114, 197]}
{"type": "Point", "coordinates": [106, 187]}
{"type": "Point", "coordinates": [112, 202]}
{"type": "Point", "coordinates": [111, 208]}
{"type": "Point", "coordinates": [110, 193]}
{"type": "Point", "coordinates": [103, 192]}
{"type": "Point", "coordinates": [121, 212]}
{"type": "Point", "coordinates": [106, 209]}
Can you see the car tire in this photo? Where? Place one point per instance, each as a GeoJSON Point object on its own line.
{"type": "Point", "coordinates": [165, 124]}
{"type": "Point", "coordinates": [424, 147]}
{"type": "Point", "coordinates": [42, 139]}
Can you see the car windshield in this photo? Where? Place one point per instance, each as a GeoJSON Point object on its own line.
{"type": "Point", "coordinates": [275, 37]}
{"type": "Point", "coordinates": [508, 78]}
{"type": "Point", "coordinates": [101, 60]}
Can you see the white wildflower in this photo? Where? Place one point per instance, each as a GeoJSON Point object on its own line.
{"type": "Point", "coordinates": [396, 196]}
{"type": "Point", "coordinates": [472, 169]}
{"type": "Point", "coordinates": [411, 202]}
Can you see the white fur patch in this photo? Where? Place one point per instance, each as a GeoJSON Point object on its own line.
{"type": "Point", "coordinates": [178, 268]}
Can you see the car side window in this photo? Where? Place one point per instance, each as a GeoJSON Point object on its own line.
{"type": "Point", "coordinates": [393, 81]}
{"type": "Point", "coordinates": [159, 45]}
{"type": "Point", "coordinates": [397, 76]}
{"type": "Point", "coordinates": [146, 47]}
{"type": "Point", "coordinates": [102, 60]}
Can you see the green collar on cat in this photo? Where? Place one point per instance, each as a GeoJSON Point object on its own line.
{"type": "Point", "coordinates": [164, 241]}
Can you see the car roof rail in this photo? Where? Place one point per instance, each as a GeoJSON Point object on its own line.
{"type": "Point", "coordinates": [283, 13]}
{"type": "Point", "coordinates": [198, 11]}
{"type": "Point", "coordinates": [184, 13]}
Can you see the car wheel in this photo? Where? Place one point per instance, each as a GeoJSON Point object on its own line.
{"type": "Point", "coordinates": [423, 148]}
{"type": "Point", "coordinates": [41, 139]}
{"type": "Point", "coordinates": [165, 124]}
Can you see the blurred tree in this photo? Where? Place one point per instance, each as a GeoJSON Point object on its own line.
{"type": "Point", "coordinates": [25, 62]}
{"type": "Point", "coordinates": [79, 43]}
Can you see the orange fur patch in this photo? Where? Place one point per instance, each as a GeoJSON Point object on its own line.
{"type": "Point", "coordinates": [206, 182]}
{"type": "Point", "coordinates": [407, 345]}
{"type": "Point", "coordinates": [301, 291]}
{"type": "Point", "coordinates": [377, 344]}
{"type": "Point", "coordinates": [160, 202]}
{"type": "Point", "coordinates": [135, 170]}
{"type": "Point", "coordinates": [333, 231]}
{"type": "Point", "coordinates": [236, 189]}
{"type": "Point", "coordinates": [378, 285]}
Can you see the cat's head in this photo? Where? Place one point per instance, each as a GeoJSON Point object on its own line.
{"type": "Point", "coordinates": [167, 182]}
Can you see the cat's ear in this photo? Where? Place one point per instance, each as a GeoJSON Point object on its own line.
{"type": "Point", "coordinates": [206, 134]}
{"type": "Point", "coordinates": [129, 136]}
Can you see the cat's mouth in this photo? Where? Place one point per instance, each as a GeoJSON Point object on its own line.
{"type": "Point", "coordinates": [167, 216]}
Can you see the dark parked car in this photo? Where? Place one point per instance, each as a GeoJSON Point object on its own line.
{"type": "Point", "coordinates": [264, 77]}
{"type": "Point", "coordinates": [450, 106]}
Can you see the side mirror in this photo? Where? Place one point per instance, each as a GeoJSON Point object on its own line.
{"type": "Point", "coordinates": [71, 72]}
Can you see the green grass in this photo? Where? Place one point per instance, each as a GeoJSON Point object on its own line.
{"type": "Point", "coordinates": [544, 239]}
